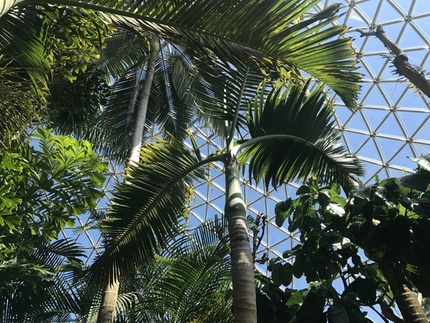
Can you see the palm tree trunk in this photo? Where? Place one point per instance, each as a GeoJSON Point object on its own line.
{"type": "Point", "coordinates": [406, 300]}
{"type": "Point", "coordinates": [110, 292]}
{"type": "Point", "coordinates": [136, 142]}
{"type": "Point", "coordinates": [242, 265]}
{"type": "Point", "coordinates": [107, 308]}
{"type": "Point", "coordinates": [408, 303]}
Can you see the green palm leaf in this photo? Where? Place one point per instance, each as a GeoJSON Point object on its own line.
{"type": "Point", "coordinates": [311, 44]}
{"type": "Point", "coordinates": [17, 104]}
{"type": "Point", "coordinates": [22, 77]}
{"type": "Point", "coordinates": [20, 42]}
{"type": "Point", "coordinates": [171, 103]}
{"type": "Point", "coordinates": [188, 282]}
{"type": "Point", "coordinates": [275, 31]}
{"type": "Point", "coordinates": [53, 295]}
{"type": "Point", "coordinates": [146, 208]}
{"type": "Point", "coordinates": [116, 123]}
{"type": "Point", "coordinates": [228, 89]}
{"type": "Point", "coordinates": [125, 50]}
{"type": "Point", "coordinates": [293, 137]}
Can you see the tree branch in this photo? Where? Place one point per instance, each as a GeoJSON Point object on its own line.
{"type": "Point", "coordinates": [401, 61]}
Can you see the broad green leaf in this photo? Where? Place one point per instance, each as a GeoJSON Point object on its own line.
{"type": "Point", "coordinates": [304, 189]}
{"type": "Point", "coordinates": [337, 314]}
{"type": "Point", "coordinates": [282, 211]}
{"type": "Point", "coordinates": [295, 298]}
{"type": "Point", "coordinates": [365, 290]}
{"type": "Point", "coordinates": [282, 273]}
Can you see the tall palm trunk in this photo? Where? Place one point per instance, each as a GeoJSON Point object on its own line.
{"type": "Point", "coordinates": [406, 300]}
{"type": "Point", "coordinates": [136, 143]}
{"type": "Point", "coordinates": [107, 307]}
{"type": "Point", "coordinates": [242, 265]}
{"type": "Point", "coordinates": [110, 292]}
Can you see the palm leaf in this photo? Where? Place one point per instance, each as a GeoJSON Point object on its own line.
{"type": "Point", "coordinates": [54, 266]}
{"type": "Point", "coordinates": [21, 42]}
{"type": "Point", "coordinates": [228, 88]}
{"type": "Point", "coordinates": [185, 84]}
{"type": "Point", "coordinates": [17, 104]}
{"type": "Point", "coordinates": [116, 124]}
{"type": "Point", "coordinates": [125, 50]}
{"type": "Point", "coordinates": [146, 209]}
{"type": "Point", "coordinates": [293, 137]}
{"type": "Point", "coordinates": [180, 94]}
{"type": "Point", "coordinates": [22, 77]}
{"type": "Point", "coordinates": [274, 31]}
{"type": "Point", "coordinates": [171, 102]}
{"type": "Point", "coordinates": [188, 282]}
{"type": "Point", "coordinates": [260, 29]}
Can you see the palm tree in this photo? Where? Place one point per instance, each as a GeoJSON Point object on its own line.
{"type": "Point", "coordinates": [38, 61]}
{"type": "Point", "coordinates": [280, 148]}
{"type": "Point", "coordinates": [274, 34]}
{"type": "Point", "coordinates": [189, 281]}
{"type": "Point", "coordinates": [275, 31]}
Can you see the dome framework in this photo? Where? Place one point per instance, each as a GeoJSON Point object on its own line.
{"type": "Point", "coordinates": [392, 123]}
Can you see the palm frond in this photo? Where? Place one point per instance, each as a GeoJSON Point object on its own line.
{"type": "Point", "coordinates": [22, 72]}
{"type": "Point", "coordinates": [282, 31]}
{"type": "Point", "coordinates": [146, 208]}
{"type": "Point", "coordinates": [198, 239]}
{"type": "Point", "coordinates": [181, 93]}
{"type": "Point", "coordinates": [42, 288]}
{"type": "Point", "coordinates": [125, 50]}
{"type": "Point", "coordinates": [21, 42]}
{"type": "Point", "coordinates": [171, 103]}
{"type": "Point", "coordinates": [17, 104]}
{"type": "Point", "coordinates": [189, 282]}
{"type": "Point", "coordinates": [116, 124]}
{"type": "Point", "coordinates": [293, 137]}
{"type": "Point", "coordinates": [219, 99]}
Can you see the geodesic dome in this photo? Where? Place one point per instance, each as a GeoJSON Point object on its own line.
{"type": "Point", "coordinates": [391, 125]}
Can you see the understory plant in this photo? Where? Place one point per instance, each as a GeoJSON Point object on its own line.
{"type": "Point", "coordinates": [358, 254]}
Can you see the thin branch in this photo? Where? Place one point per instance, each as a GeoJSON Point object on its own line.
{"type": "Point", "coordinates": [401, 60]}
{"type": "Point", "coordinates": [379, 314]}
{"type": "Point", "coordinates": [259, 225]}
{"type": "Point", "coordinates": [387, 311]}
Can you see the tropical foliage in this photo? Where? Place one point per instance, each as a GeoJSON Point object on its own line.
{"type": "Point", "coordinates": [277, 36]}
{"type": "Point", "coordinates": [43, 51]}
{"type": "Point", "coordinates": [45, 185]}
{"type": "Point", "coordinates": [189, 282]}
{"type": "Point", "coordinates": [161, 183]}
{"type": "Point", "coordinates": [275, 31]}
{"type": "Point", "coordinates": [359, 253]}
{"type": "Point", "coordinates": [235, 47]}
